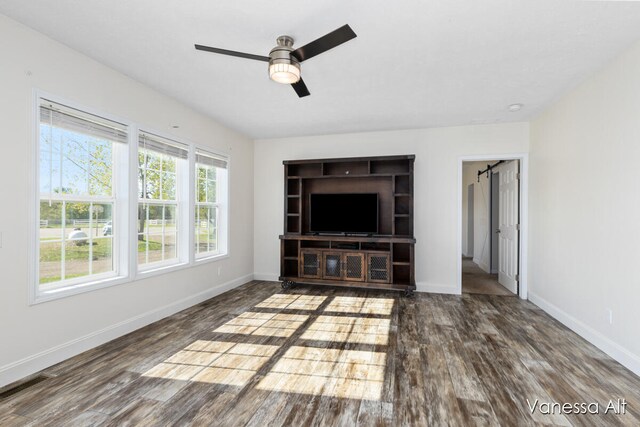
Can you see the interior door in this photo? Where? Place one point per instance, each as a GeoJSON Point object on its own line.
{"type": "Point", "coordinates": [509, 201]}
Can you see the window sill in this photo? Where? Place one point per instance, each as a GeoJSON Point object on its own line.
{"type": "Point", "coordinates": [70, 290]}
{"type": "Point", "coordinates": [66, 291]}
{"type": "Point", "coordinates": [210, 258]}
{"type": "Point", "coordinates": [161, 268]}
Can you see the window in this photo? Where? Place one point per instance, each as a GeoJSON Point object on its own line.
{"type": "Point", "coordinates": [161, 166]}
{"type": "Point", "coordinates": [78, 157]}
{"type": "Point", "coordinates": [93, 226]}
{"type": "Point", "coordinates": [210, 204]}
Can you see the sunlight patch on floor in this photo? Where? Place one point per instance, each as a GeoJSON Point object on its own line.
{"type": "Point", "coordinates": [349, 329]}
{"type": "Point", "coordinates": [348, 374]}
{"type": "Point", "coordinates": [216, 362]}
{"type": "Point", "coordinates": [361, 305]}
{"type": "Point", "coordinates": [263, 324]}
{"type": "Point", "coordinates": [292, 302]}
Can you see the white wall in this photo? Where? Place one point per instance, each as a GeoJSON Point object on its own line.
{"type": "Point", "coordinates": [33, 336]}
{"type": "Point", "coordinates": [481, 244]}
{"type": "Point", "coordinates": [585, 209]}
{"type": "Point", "coordinates": [438, 153]}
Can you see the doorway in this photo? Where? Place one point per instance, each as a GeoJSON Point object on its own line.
{"type": "Point", "coordinates": [470, 192]}
{"type": "Point", "coordinates": [491, 227]}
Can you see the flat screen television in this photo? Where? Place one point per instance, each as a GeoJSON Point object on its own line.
{"type": "Point", "coordinates": [344, 213]}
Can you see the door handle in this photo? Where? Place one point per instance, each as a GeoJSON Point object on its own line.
{"type": "Point", "coordinates": [498, 231]}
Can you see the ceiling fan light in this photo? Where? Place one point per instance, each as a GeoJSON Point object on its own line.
{"type": "Point", "coordinates": [284, 73]}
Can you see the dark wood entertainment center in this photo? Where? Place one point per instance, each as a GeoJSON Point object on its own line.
{"type": "Point", "coordinates": [382, 261]}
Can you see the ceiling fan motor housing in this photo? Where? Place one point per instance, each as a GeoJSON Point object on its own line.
{"type": "Point", "coordinates": [283, 67]}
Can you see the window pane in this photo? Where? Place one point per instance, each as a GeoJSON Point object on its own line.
{"type": "Point", "coordinates": [201, 172]}
{"type": "Point", "coordinates": [150, 184]}
{"type": "Point", "coordinates": [206, 230]}
{"type": "Point", "coordinates": [211, 191]}
{"type": "Point", "coordinates": [87, 234]}
{"type": "Point", "coordinates": [202, 229]}
{"type": "Point", "coordinates": [168, 164]}
{"type": "Point", "coordinates": [49, 161]}
{"type": "Point", "coordinates": [153, 243]}
{"type": "Point", "coordinates": [153, 160]}
{"type": "Point", "coordinates": [100, 167]}
{"type": "Point", "coordinates": [76, 260]}
{"type": "Point", "coordinates": [50, 262]}
{"type": "Point", "coordinates": [157, 176]}
{"type": "Point", "coordinates": [157, 233]}
{"type": "Point", "coordinates": [168, 186]}
{"type": "Point", "coordinates": [142, 215]}
{"type": "Point", "coordinates": [142, 251]}
{"type": "Point", "coordinates": [75, 163]}
{"type": "Point", "coordinates": [170, 247]}
{"type": "Point", "coordinates": [201, 190]}
{"type": "Point", "coordinates": [143, 233]}
{"type": "Point", "coordinates": [102, 261]}
{"type": "Point", "coordinates": [50, 221]}
{"type": "Point", "coordinates": [101, 220]}
{"type": "Point", "coordinates": [77, 222]}
{"type": "Point", "coordinates": [156, 219]}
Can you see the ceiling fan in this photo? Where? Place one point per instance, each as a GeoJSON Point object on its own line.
{"type": "Point", "coordinates": [284, 61]}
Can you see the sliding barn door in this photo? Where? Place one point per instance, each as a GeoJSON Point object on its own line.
{"type": "Point", "coordinates": [509, 201]}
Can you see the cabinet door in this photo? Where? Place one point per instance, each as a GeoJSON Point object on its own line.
{"type": "Point", "coordinates": [354, 267]}
{"type": "Point", "coordinates": [332, 265]}
{"type": "Point", "coordinates": [378, 268]}
{"type": "Point", "coordinates": [310, 263]}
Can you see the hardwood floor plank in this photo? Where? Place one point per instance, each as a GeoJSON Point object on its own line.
{"type": "Point", "coordinates": [13, 420]}
{"type": "Point", "coordinates": [133, 414]}
{"type": "Point", "coordinates": [409, 378]}
{"type": "Point", "coordinates": [441, 401]}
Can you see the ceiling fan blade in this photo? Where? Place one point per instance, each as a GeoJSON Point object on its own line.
{"type": "Point", "coordinates": [232, 53]}
{"type": "Point", "coordinates": [324, 43]}
{"type": "Point", "coordinates": [301, 88]}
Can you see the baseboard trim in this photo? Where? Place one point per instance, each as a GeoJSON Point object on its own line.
{"type": "Point", "coordinates": [37, 362]}
{"type": "Point", "coordinates": [625, 357]}
{"type": "Point", "coordinates": [435, 289]}
{"type": "Point", "coordinates": [266, 276]}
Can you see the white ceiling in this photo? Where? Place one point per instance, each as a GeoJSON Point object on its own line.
{"type": "Point", "coordinates": [414, 64]}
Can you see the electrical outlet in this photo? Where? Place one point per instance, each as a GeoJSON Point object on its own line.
{"type": "Point", "coordinates": [610, 316]}
{"type": "Point", "coordinates": [219, 270]}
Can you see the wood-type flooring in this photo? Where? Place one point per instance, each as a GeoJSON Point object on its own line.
{"type": "Point", "coordinates": [261, 356]}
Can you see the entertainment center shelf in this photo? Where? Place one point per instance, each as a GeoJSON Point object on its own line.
{"type": "Point", "coordinates": [381, 260]}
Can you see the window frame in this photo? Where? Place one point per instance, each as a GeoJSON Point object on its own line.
{"type": "Point", "coordinates": [183, 196]}
{"type": "Point", "coordinates": [125, 211]}
{"type": "Point", "coordinates": [120, 176]}
{"type": "Point", "coordinates": [222, 206]}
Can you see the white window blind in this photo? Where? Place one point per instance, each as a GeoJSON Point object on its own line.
{"type": "Point", "coordinates": [148, 141]}
{"type": "Point", "coordinates": [207, 159]}
{"type": "Point", "coordinates": [60, 116]}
